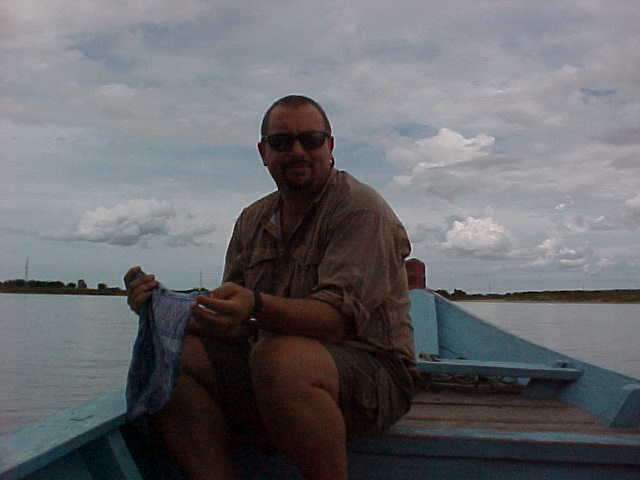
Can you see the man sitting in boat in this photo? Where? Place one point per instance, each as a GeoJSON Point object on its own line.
{"type": "Point", "coordinates": [309, 338]}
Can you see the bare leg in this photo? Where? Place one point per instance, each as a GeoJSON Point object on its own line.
{"type": "Point", "coordinates": [192, 424]}
{"type": "Point", "coordinates": [297, 386]}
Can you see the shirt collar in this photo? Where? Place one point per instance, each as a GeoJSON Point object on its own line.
{"type": "Point", "coordinates": [272, 218]}
{"type": "Point", "coordinates": [277, 198]}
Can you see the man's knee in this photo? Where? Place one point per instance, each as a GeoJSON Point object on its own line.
{"type": "Point", "coordinates": [196, 362]}
{"type": "Point", "coordinates": [194, 356]}
{"type": "Point", "coordinates": [281, 357]}
{"type": "Point", "coordinates": [290, 365]}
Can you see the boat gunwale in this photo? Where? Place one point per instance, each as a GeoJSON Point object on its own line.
{"type": "Point", "coordinates": [43, 442]}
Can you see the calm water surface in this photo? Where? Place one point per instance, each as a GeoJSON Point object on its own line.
{"type": "Point", "coordinates": [57, 351]}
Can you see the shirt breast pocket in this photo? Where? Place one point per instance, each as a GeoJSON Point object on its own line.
{"type": "Point", "coordinates": [307, 262]}
{"type": "Point", "coordinates": [260, 270]}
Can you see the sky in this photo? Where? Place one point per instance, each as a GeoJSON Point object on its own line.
{"type": "Point", "coordinates": [505, 134]}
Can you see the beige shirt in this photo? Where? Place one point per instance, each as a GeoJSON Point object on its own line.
{"type": "Point", "coordinates": [348, 251]}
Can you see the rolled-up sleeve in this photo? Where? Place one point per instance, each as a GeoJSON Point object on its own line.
{"type": "Point", "coordinates": [233, 264]}
{"type": "Point", "coordinates": [362, 274]}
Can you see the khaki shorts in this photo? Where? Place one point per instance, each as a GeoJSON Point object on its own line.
{"type": "Point", "coordinates": [375, 391]}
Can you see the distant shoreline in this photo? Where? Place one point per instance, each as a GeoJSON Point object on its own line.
{"type": "Point", "coordinates": [67, 291]}
{"type": "Point", "coordinates": [551, 296]}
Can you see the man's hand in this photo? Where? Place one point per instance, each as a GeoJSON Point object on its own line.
{"type": "Point", "coordinates": [223, 312]}
{"type": "Point", "coordinates": [138, 289]}
{"type": "Point", "coordinates": [227, 306]}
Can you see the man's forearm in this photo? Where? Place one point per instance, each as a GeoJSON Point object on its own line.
{"type": "Point", "coordinates": [303, 317]}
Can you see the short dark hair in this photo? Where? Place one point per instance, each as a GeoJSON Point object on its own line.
{"type": "Point", "coordinates": [294, 101]}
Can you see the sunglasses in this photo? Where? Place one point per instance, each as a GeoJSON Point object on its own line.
{"type": "Point", "coordinates": [283, 142]}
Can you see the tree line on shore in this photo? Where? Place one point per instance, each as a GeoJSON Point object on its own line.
{"type": "Point", "coordinates": [572, 296]}
{"type": "Point", "coordinates": [55, 286]}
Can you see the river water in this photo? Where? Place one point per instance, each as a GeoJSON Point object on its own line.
{"type": "Point", "coordinates": [57, 351]}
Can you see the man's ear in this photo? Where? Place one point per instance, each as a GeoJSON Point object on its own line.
{"type": "Point", "coordinates": [330, 143]}
{"type": "Point", "coordinates": [261, 149]}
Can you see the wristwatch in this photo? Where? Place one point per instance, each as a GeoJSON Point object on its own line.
{"type": "Point", "coordinates": [251, 320]}
{"type": "Point", "coordinates": [257, 303]}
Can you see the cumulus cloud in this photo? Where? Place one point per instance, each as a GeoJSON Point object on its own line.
{"type": "Point", "coordinates": [430, 162]}
{"type": "Point", "coordinates": [138, 221]}
{"type": "Point", "coordinates": [445, 148]}
{"type": "Point", "coordinates": [554, 253]}
{"type": "Point", "coordinates": [627, 219]}
{"type": "Point", "coordinates": [478, 237]}
{"type": "Point", "coordinates": [126, 223]}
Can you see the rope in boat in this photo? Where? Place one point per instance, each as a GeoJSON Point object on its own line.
{"type": "Point", "coordinates": [479, 383]}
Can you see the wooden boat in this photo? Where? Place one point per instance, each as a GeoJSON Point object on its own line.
{"type": "Point", "coordinates": [510, 410]}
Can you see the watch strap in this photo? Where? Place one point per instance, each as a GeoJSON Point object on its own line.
{"type": "Point", "coordinates": [257, 303]}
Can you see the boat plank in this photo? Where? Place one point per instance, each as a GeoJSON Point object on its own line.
{"type": "Point", "coordinates": [500, 411]}
{"type": "Point", "coordinates": [515, 427]}
{"type": "Point", "coordinates": [495, 413]}
{"type": "Point", "coordinates": [480, 398]}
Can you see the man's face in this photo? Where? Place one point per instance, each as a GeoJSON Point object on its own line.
{"type": "Point", "coordinates": [298, 169]}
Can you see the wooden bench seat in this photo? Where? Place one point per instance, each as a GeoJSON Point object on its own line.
{"type": "Point", "coordinates": [499, 369]}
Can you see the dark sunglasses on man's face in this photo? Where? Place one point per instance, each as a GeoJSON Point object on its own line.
{"type": "Point", "coordinates": [283, 142]}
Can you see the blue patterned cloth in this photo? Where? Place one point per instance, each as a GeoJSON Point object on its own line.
{"type": "Point", "coordinates": [155, 362]}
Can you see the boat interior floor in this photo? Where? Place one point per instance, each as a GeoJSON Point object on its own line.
{"type": "Point", "coordinates": [500, 411]}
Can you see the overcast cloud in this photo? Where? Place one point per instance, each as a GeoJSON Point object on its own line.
{"type": "Point", "coordinates": [505, 134]}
